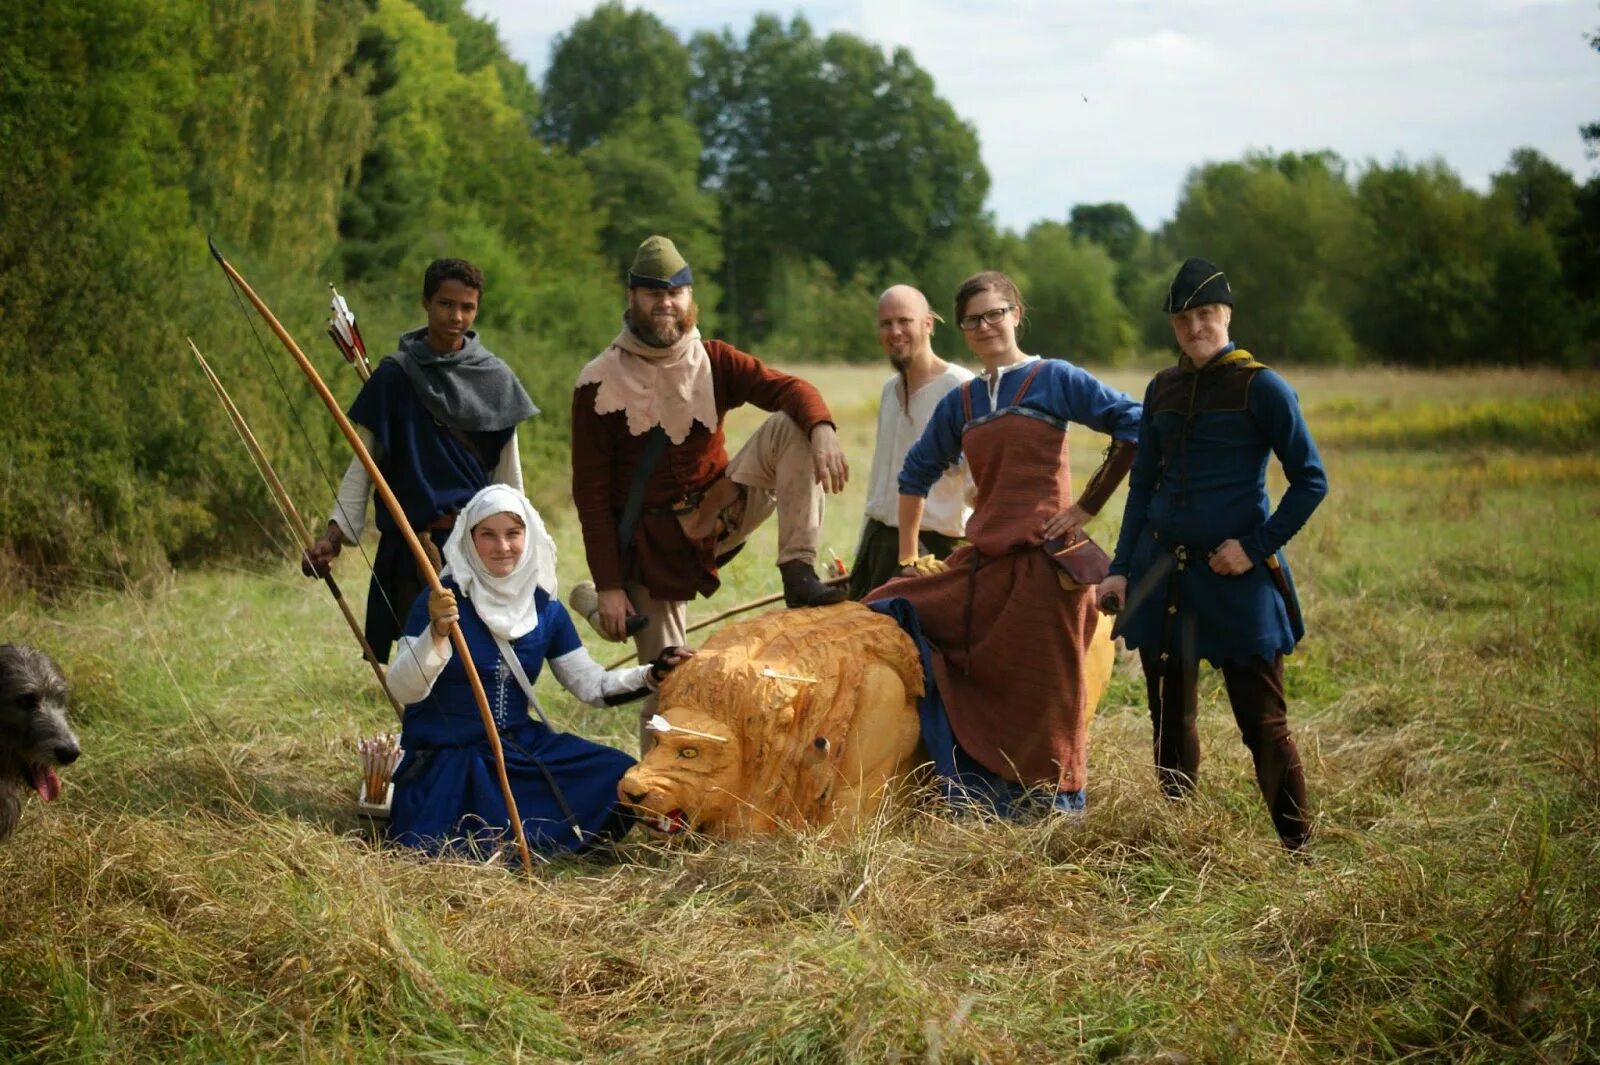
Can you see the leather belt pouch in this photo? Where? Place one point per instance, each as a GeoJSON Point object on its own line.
{"type": "Point", "coordinates": [1082, 560]}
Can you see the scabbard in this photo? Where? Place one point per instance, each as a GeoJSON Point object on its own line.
{"type": "Point", "coordinates": [1152, 579]}
{"type": "Point", "coordinates": [1281, 582]}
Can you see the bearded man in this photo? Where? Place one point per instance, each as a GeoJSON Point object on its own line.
{"type": "Point", "coordinates": [661, 504]}
{"type": "Point", "coordinates": [920, 380]}
{"type": "Point", "coordinates": [1202, 548]}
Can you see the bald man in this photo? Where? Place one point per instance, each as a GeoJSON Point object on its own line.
{"type": "Point", "coordinates": [921, 378]}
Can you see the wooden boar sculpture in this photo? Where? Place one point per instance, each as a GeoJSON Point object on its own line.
{"type": "Point", "coordinates": [793, 718]}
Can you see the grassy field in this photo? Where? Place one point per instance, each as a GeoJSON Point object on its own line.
{"type": "Point", "coordinates": [204, 892]}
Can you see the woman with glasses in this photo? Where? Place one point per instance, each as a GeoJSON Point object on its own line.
{"type": "Point", "coordinates": [1007, 637]}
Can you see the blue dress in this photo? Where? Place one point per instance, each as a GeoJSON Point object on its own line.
{"type": "Point", "coordinates": [1200, 478]}
{"type": "Point", "coordinates": [447, 794]}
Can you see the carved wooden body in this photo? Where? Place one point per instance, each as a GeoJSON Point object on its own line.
{"type": "Point", "coordinates": [820, 749]}
{"type": "Point", "coordinates": [814, 714]}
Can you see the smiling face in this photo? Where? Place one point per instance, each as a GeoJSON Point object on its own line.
{"type": "Point", "coordinates": [499, 540]}
{"type": "Point", "coordinates": [451, 311]}
{"type": "Point", "coordinates": [1202, 331]}
{"type": "Point", "coordinates": [660, 316]}
{"type": "Point", "coordinates": [905, 325]}
{"type": "Point", "coordinates": [993, 342]}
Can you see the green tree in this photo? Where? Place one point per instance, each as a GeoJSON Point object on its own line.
{"type": "Point", "coordinates": [453, 168]}
{"type": "Point", "coordinates": [1114, 228]}
{"type": "Point", "coordinates": [1428, 284]}
{"type": "Point", "coordinates": [1534, 213]}
{"type": "Point", "coordinates": [1535, 190]}
{"type": "Point", "coordinates": [613, 64]}
{"type": "Point", "coordinates": [1110, 225]}
{"type": "Point", "coordinates": [827, 149]}
{"type": "Point", "coordinates": [644, 176]}
{"type": "Point", "coordinates": [1286, 230]}
{"type": "Point", "coordinates": [1069, 284]}
{"type": "Point", "coordinates": [130, 129]}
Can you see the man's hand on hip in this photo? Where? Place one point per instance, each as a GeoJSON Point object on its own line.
{"type": "Point", "coordinates": [1230, 560]}
{"type": "Point", "coordinates": [827, 458]}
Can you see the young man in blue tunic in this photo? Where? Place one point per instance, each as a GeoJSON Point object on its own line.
{"type": "Point", "coordinates": [440, 417]}
{"type": "Point", "coordinates": [500, 585]}
{"type": "Point", "coordinates": [1202, 549]}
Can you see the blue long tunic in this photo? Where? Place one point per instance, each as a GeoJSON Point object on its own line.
{"type": "Point", "coordinates": [432, 472]}
{"type": "Point", "coordinates": [446, 792]}
{"type": "Point", "coordinates": [1200, 478]}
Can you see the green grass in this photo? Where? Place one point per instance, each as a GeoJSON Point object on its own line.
{"type": "Point", "coordinates": [204, 892]}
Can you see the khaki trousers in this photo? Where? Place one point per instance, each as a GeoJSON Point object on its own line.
{"type": "Point", "coordinates": [778, 475]}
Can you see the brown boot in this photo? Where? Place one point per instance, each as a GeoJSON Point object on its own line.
{"type": "Point", "coordinates": [802, 588]}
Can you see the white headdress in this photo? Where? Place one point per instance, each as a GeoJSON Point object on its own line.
{"type": "Point", "coordinates": [505, 604]}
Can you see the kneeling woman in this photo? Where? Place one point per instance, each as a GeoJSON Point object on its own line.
{"type": "Point", "coordinates": [500, 581]}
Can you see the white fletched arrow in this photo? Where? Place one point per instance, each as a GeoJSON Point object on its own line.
{"type": "Point", "coordinates": [657, 723]}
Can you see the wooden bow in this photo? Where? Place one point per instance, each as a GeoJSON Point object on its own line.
{"type": "Point", "coordinates": [403, 525]}
{"type": "Point", "coordinates": [296, 524]}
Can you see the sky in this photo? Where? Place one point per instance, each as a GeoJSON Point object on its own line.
{"type": "Point", "coordinates": [1078, 102]}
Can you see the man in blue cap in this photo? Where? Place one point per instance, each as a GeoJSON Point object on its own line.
{"type": "Point", "coordinates": [1202, 548]}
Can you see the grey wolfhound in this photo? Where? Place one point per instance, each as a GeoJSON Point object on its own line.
{"type": "Point", "coordinates": [34, 735]}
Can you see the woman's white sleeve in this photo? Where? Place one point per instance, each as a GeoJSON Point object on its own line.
{"type": "Point", "coordinates": [350, 506]}
{"type": "Point", "coordinates": [580, 674]}
{"type": "Point", "coordinates": [509, 469]}
{"type": "Point", "coordinates": [417, 664]}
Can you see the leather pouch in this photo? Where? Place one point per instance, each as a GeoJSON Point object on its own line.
{"type": "Point", "coordinates": [1082, 561]}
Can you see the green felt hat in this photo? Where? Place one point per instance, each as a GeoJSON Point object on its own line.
{"type": "Point", "coordinates": [657, 264]}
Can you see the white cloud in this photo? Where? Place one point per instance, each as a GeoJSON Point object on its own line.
{"type": "Point", "coordinates": [1173, 83]}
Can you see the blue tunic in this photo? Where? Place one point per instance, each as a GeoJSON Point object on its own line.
{"type": "Point", "coordinates": [446, 790]}
{"type": "Point", "coordinates": [432, 471]}
{"type": "Point", "coordinates": [1200, 478]}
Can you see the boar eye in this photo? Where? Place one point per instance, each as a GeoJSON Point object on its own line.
{"type": "Point", "coordinates": [689, 752]}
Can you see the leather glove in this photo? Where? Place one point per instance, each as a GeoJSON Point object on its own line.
{"type": "Point", "coordinates": [669, 659]}
{"type": "Point", "coordinates": [442, 611]}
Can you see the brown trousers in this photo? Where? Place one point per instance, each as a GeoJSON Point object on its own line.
{"type": "Point", "coordinates": [1255, 691]}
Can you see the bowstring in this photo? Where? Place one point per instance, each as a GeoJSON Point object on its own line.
{"type": "Point", "coordinates": [322, 470]}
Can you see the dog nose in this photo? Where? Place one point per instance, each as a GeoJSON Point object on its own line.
{"type": "Point", "coordinates": [635, 797]}
{"type": "Point", "coordinates": [66, 755]}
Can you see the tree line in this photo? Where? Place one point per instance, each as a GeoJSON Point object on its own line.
{"type": "Point", "coordinates": [355, 140]}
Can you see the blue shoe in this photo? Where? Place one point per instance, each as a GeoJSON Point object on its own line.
{"type": "Point", "coordinates": [1073, 803]}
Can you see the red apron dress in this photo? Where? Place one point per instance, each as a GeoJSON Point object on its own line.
{"type": "Point", "coordinates": [1008, 641]}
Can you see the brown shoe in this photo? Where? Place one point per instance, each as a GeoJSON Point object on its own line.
{"type": "Point", "coordinates": [802, 588]}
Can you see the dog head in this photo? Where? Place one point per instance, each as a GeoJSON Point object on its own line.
{"type": "Point", "coordinates": [35, 738]}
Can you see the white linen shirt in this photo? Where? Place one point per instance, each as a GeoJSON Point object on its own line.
{"type": "Point", "coordinates": [899, 426]}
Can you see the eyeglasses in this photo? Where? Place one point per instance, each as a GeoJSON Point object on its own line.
{"type": "Point", "coordinates": [992, 316]}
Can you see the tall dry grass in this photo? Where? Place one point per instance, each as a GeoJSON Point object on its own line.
{"type": "Point", "coordinates": [204, 892]}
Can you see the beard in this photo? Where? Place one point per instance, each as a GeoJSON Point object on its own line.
{"type": "Point", "coordinates": [660, 332]}
{"type": "Point", "coordinates": [901, 363]}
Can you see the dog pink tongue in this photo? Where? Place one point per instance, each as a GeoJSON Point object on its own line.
{"type": "Point", "coordinates": [47, 784]}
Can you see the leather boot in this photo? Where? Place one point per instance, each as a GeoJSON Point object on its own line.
{"type": "Point", "coordinates": [802, 588]}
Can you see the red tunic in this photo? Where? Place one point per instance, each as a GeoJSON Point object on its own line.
{"type": "Point", "coordinates": [1008, 641]}
{"type": "Point", "coordinates": [605, 455]}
